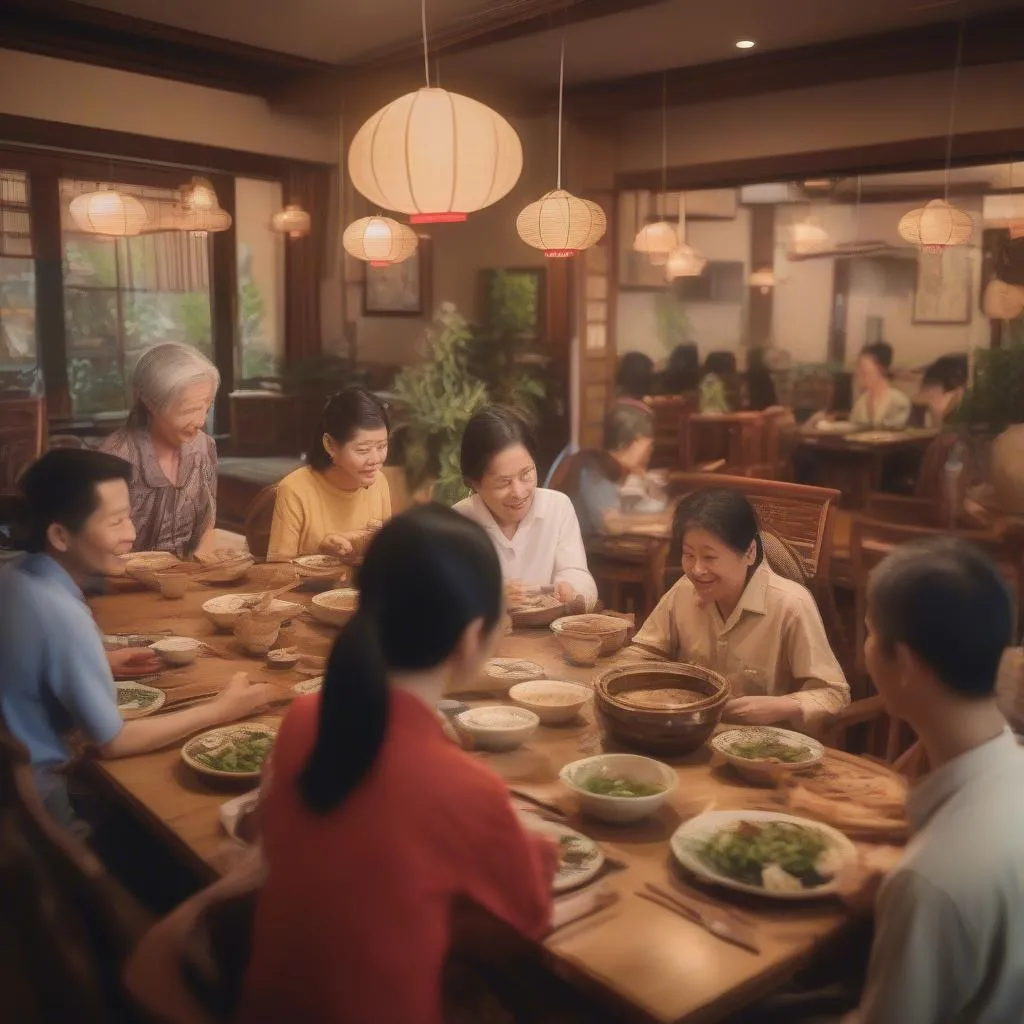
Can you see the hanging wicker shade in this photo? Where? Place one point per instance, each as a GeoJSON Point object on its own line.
{"type": "Point", "coordinates": [561, 224]}
{"type": "Point", "coordinates": [292, 221]}
{"type": "Point", "coordinates": [656, 241]}
{"type": "Point", "coordinates": [684, 261]}
{"type": "Point", "coordinates": [435, 156]}
{"type": "Point", "coordinates": [108, 212]}
{"type": "Point", "coordinates": [805, 236]}
{"type": "Point", "coordinates": [763, 280]}
{"type": "Point", "coordinates": [1003, 301]}
{"type": "Point", "coordinates": [199, 194]}
{"type": "Point", "coordinates": [200, 209]}
{"type": "Point", "coordinates": [379, 241]}
{"type": "Point", "coordinates": [936, 226]}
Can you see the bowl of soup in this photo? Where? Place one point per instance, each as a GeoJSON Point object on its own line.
{"type": "Point", "coordinates": [660, 708]}
{"type": "Point", "coordinates": [619, 787]}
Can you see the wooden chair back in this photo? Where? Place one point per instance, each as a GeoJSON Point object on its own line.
{"type": "Point", "coordinates": [22, 433]}
{"type": "Point", "coordinates": [258, 521]}
{"type": "Point", "coordinates": [671, 434]}
{"type": "Point", "coordinates": [736, 437]}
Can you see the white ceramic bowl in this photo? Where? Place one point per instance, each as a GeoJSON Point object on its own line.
{"type": "Point", "coordinates": [552, 701]}
{"type": "Point", "coordinates": [223, 611]}
{"type": "Point", "coordinates": [497, 726]}
{"type": "Point", "coordinates": [335, 607]}
{"type": "Point", "coordinates": [177, 650]}
{"type": "Point", "coordinates": [630, 766]}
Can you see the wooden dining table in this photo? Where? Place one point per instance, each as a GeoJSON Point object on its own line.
{"type": "Point", "coordinates": [651, 963]}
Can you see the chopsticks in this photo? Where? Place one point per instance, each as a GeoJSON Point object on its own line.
{"type": "Point", "coordinates": [724, 925]}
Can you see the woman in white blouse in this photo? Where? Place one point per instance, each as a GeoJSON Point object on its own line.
{"type": "Point", "coordinates": [880, 405]}
{"type": "Point", "coordinates": [534, 530]}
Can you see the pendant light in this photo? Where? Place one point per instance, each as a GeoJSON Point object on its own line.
{"type": "Point", "coordinates": [379, 241]}
{"type": "Point", "coordinates": [658, 239]}
{"type": "Point", "coordinates": [763, 280]}
{"type": "Point", "coordinates": [938, 224]}
{"type": "Point", "coordinates": [292, 221]}
{"type": "Point", "coordinates": [684, 260]}
{"type": "Point", "coordinates": [201, 211]}
{"type": "Point", "coordinates": [559, 223]}
{"type": "Point", "coordinates": [1002, 301]}
{"type": "Point", "coordinates": [108, 212]}
{"type": "Point", "coordinates": [435, 155]}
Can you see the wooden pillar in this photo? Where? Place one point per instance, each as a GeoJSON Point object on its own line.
{"type": "Point", "coordinates": [224, 300]}
{"type": "Point", "coordinates": [762, 256]}
{"type": "Point", "coordinates": [840, 312]}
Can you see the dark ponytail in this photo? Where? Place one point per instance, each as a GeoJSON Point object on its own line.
{"type": "Point", "coordinates": [428, 574]}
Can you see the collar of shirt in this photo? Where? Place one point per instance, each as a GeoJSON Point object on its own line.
{"type": "Point", "coordinates": [149, 465]}
{"type": "Point", "coordinates": [538, 511]}
{"type": "Point", "coordinates": [754, 599]}
{"type": "Point", "coordinates": [944, 782]}
{"type": "Point", "coordinates": [48, 568]}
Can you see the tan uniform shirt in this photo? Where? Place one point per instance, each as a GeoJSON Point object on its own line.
{"type": "Point", "coordinates": [773, 644]}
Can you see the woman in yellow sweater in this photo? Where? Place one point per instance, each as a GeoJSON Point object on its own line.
{"type": "Point", "coordinates": [333, 503]}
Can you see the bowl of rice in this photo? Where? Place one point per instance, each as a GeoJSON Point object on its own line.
{"type": "Point", "coordinates": [552, 701]}
{"type": "Point", "coordinates": [498, 727]}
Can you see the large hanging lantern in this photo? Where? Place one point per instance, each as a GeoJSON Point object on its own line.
{"type": "Point", "coordinates": [936, 226]}
{"type": "Point", "coordinates": [1002, 301]}
{"type": "Point", "coordinates": [108, 212]}
{"type": "Point", "coordinates": [435, 156]}
{"type": "Point", "coordinates": [561, 224]}
{"type": "Point", "coordinates": [656, 241]}
{"type": "Point", "coordinates": [200, 209]}
{"type": "Point", "coordinates": [379, 241]}
{"type": "Point", "coordinates": [684, 261]}
{"type": "Point", "coordinates": [292, 221]}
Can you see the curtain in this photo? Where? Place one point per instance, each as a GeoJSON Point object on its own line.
{"type": "Point", "coordinates": [305, 260]}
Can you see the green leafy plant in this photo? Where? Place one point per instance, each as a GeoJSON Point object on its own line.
{"type": "Point", "coordinates": [674, 327]}
{"type": "Point", "coordinates": [995, 398]}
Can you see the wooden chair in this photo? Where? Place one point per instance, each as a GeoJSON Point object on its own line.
{"type": "Point", "coordinates": [22, 432]}
{"type": "Point", "coordinates": [671, 434]}
{"type": "Point", "coordinates": [258, 521]}
{"type": "Point", "coordinates": [737, 437]}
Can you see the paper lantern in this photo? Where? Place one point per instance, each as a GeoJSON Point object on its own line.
{"type": "Point", "coordinates": [656, 241]}
{"type": "Point", "coordinates": [200, 209]}
{"type": "Point", "coordinates": [435, 156]}
{"type": "Point", "coordinates": [108, 212]}
{"type": "Point", "coordinates": [763, 280]}
{"type": "Point", "coordinates": [199, 194]}
{"type": "Point", "coordinates": [1003, 301]}
{"type": "Point", "coordinates": [936, 226]}
{"type": "Point", "coordinates": [561, 224]}
{"type": "Point", "coordinates": [805, 237]}
{"type": "Point", "coordinates": [379, 241]}
{"type": "Point", "coordinates": [684, 261]}
{"type": "Point", "coordinates": [292, 221]}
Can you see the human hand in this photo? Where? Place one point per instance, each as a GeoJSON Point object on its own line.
{"type": "Point", "coordinates": [760, 710]}
{"type": "Point", "coordinates": [515, 593]}
{"type": "Point", "coordinates": [132, 662]}
{"type": "Point", "coordinates": [241, 698]}
{"type": "Point", "coordinates": [565, 593]}
{"type": "Point", "coordinates": [857, 885]}
{"type": "Point", "coordinates": [336, 544]}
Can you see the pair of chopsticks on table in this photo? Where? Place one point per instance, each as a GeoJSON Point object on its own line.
{"type": "Point", "coordinates": [726, 925]}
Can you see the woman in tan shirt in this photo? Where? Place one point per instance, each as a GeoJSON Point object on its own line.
{"type": "Point", "coordinates": [732, 614]}
{"type": "Point", "coordinates": [332, 504]}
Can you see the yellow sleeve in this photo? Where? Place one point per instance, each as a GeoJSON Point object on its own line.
{"type": "Point", "coordinates": [286, 528]}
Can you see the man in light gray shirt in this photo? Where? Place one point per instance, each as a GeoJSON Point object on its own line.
{"type": "Point", "coordinates": [949, 939]}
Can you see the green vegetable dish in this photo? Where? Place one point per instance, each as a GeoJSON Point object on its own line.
{"type": "Point", "coordinates": [774, 855]}
{"type": "Point", "coordinates": [244, 754]}
{"type": "Point", "coordinates": [573, 853]}
{"type": "Point", "coordinates": [604, 786]}
{"type": "Point", "coordinates": [771, 750]}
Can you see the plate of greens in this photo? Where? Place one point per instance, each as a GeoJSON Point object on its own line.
{"type": "Point", "coordinates": [580, 858]}
{"type": "Point", "coordinates": [758, 751]}
{"type": "Point", "coordinates": [231, 751]}
{"type": "Point", "coordinates": [764, 852]}
{"type": "Point", "coordinates": [135, 699]}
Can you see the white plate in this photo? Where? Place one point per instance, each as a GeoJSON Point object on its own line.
{"type": "Point", "coordinates": [690, 834]}
{"type": "Point", "coordinates": [568, 876]}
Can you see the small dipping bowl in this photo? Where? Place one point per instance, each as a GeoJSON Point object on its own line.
{"type": "Point", "coordinates": [283, 657]}
{"type": "Point", "coordinates": [177, 650]}
{"type": "Point", "coordinates": [552, 701]}
{"type": "Point", "coordinates": [580, 650]}
{"type": "Point", "coordinates": [173, 587]}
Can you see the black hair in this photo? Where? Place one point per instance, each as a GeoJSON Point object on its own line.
{"type": "Point", "coordinates": [948, 603]}
{"type": "Point", "coordinates": [720, 363]}
{"type": "Point", "coordinates": [624, 424]}
{"type": "Point", "coordinates": [491, 430]}
{"type": "Point", "coordinates": [635, 375]}
{"type": "Point", "coordinates": [725, 513]}
{"type": "Point", "coordinates": [61, 487]}
{"type": "Point", "coordinates": [947, 372]}
{"type": "Point", "coordinates": [346, 412]}
{"type": "Point", "coordinates": [428, 574]}
{"type": "Point", "coordinates": [881, 353]}
{"type": "Point", "coordinates": [683, 370]}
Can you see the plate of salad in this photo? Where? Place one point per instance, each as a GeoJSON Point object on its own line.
{"type": "Point", "coordinates": [231, 751]}
{"type": "Point", "coordinates": [764, 852]}
{"type": "Point", "coordinates": [757, 751]}
{"type": "Point", "coordinates": [136, 699]}
{"type": "Point", "coordinates": [580, 858]}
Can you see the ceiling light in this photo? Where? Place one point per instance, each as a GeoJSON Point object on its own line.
{"type": "Point", "coordinates": [745, 44]}
{"type": "Point", "coordinates": [108, 212]}
{"type": "Point", "coordinates": [379, 241]}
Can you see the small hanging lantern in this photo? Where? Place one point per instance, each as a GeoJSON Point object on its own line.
{"type": "Point", "coordinates": [379, 241]}
{"type": "Point", "coordinates": [108, 212]}
{"type": "Point", "coordinates": [200, 209]}
{"type": "Point", "coordinates": [936, 226]}
{"type": "Point", "coordinates": [656, 241]}
{"type": "Point", "coordinates": [805, 236]}
{"type": "Point", "coordinates": [292, 221]}
{"type": "Point", "coordinates": [763, 280]}
{"type": "Point", "coordinates": [1002, 301]}
{"type": "Point", "coordinates": [561, 224]}
{"type": "Point", "coordinates": [684, 261]}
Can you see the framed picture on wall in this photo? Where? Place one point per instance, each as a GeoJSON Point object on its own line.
{"type": "Point", "coordinates": [943, 291]}
{"type": "Point", "coordinates": [403, 289]}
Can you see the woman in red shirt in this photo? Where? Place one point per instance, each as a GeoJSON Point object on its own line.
{"type": "Point", "coordinates": [373, 821]}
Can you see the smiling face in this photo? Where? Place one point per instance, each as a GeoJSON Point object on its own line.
{"type": "Point", "coordinates": [185, 415]}
{"type": "Point", "coordinates": [357, 462]}
{"type": "Point", "coordinates": [509, 484]}
{"type": "Point", "coordinates": [98, 547]}
{"type": "Point", "coordinates": [718, 573]}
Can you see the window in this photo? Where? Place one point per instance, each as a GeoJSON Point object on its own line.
{"type": "Point", "coordinates": [18, 362]}
{"type": "Point", "coordinates": [260, 280]}
{"type": "Point", "coordinates": [123, 295]}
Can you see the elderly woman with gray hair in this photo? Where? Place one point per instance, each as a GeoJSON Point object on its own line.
{"type": "Point", "coordinates": [174, 462]}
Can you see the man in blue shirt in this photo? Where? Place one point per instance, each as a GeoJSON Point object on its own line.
{"type": "Point", "coordinates": [54, 673]}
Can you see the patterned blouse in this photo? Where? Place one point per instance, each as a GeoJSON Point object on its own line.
{"type": "Point", "coordinates": [169, 517]}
